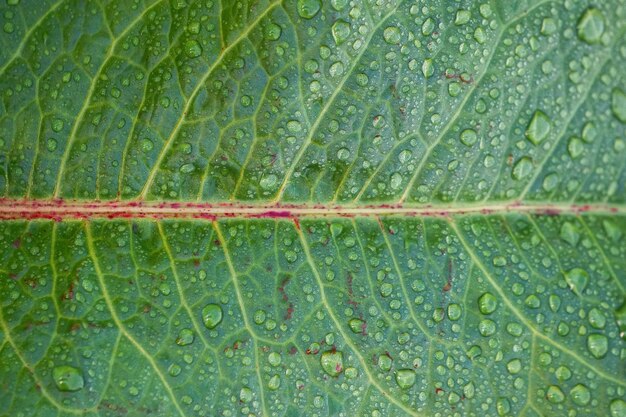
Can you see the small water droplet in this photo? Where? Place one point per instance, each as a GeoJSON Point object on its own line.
{"type": "Point", "coordinates": [212, 315]}
{"type": "Point", "coordinates": [385, 362]}
{"type": "Point", "coordinates": [307, 9]}
{"type": "Point", "coordinates": [332, 362]}
{"type": "Point", "coordinates": [469, 137]}
{"type": "Point", "coordinates": [192, 48]}
{"type": "Point", "coordinates": [340, 31]}
{"type": "Point", "coordinates": [618, 104]}
{"type": "Point", "coordinates": [268, 181]}
{"type": "Point", "coordinates": [575, 147]}
{"type": "Point", "coordinates": [538, 128]}
{"type": "Point", "coordinates": [598, 345]}
{"type": "Point", "coordinates": [462, 17]}
{"type": "Point", "coordinates": [555, 395]}
{"type": "Point", "coordinates": [356, 325]}
{"type": "Point", "coordinates": [51, 144]}
{"type": "Point", "coordinates": [68, 378]}
{"type": "Point", "coordinates": [245, 395]}
{"type": "Point", "coordinates": [580, 395]}
{"type": "Point", "coordinates": [428, 69]}
{"type": "Point", "coordinates": [522, 168]}
{"type": "Point", "coordinates": [186, 168]}
{"type": "Point", "coordinates": [274, 383]}
{"type": "Point", "coordinates": [272, 32]}
{"type": "Point", "coordinates": [577, 280]}
{"type": "Point", "coordinates": [405, 378]}
{"type": "Point", "coordinates": [57, 125]}
{"type": "Point", "coordinates": [174, 369]}
{"type": "Point", "coordinates": [514, 366]}
{"type": "Point", "coordinates": [597, 319]}
{"type": "Point", "coordinates": [392, 35]}
{"type": "Point", "coordinates": [396, 181]}
{"type": "Point", "coordinates": [487, 327]}
{"type": "Point", "coordinates": [563, 373]}
{"type": "Point", "coordinates": [487, 303]}
{"type": "Point", "coordinates": [454, 312]}
{"type": "Point", "coordinates": [185, 337]}
{"type": "Point", "coordinates": [343, 154]}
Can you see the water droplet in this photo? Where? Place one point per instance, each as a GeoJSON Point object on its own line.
{"type": "Point", "coordinates": [462, 17]}
{"type": "Point", "coordinates": [612, 231]}
{"type": "Point", "coordinates": [392, 35]}
{"type": "Point", "coordinates": [598, 345]}
{"type": "Point", "coordinates": [294, 126]}
{"type": "Point", "coordinates": [51, 144]}
{"type": "Point", "coordinates": [384, 362]}
{"type": "Point", "coordinates": [522, 168]}
{"type": "Point", "coordinates": [174, 369]}
{"type": "Point", "coordinates": [336, 69]}
{"type": "Point", "coordinates": [332, 362]}
{"type": "Point", "coordinates": [268, 181]}
{"type": "Point", "coordinates": [212, 315]}
{"type": "Point", "coordinates": [8, 27]}
{"type": "Point", "coordinates": [469, 137]}
{"type": "Point", "coordinates": [428, 26]}
{"type": "Point", "coordinates": [405, 378]}
{"type": "Point", "coordinates": [538, 128]}
{"type": "Point", "coordinates": [503, 406]}
{"type": "Point", "coordinates": [68, 378]}
{"type": "Point", "coordinates": [356, 325]}
{"type": "Point", "coordinates": [307, 9]}
{"type": "Point", "coordinates": [487, 327]}
{"type": "Point", "coordinates": [618, 104]}
{"type": "Point", "coordinates": [272, 32]}
{"type": "Point", "coordinates": [487, 303]}
{"type": "Point", "coordinates": [192, 48]}
{"type": "Point", "coordinates": [474, 352]}
{"type": "Point", "coordinates": [575, 147]}
{"type": "Point", "coordinates": [343, 154]}
{"type": "Point", "coordinates": [57, 125]}
{"type": "Point", "coordinates": [548, 26]}
{"type": "Point", "coordinates": [185, 337]}
{"type": "Point", "coordinates": [555, 395]}
{"type": "Point", "coordinates": [569, 233]}
{"type": "Point", "coordinates": [274, 359]}
{"type": "Point", "coordinates": [338, 4]}
{"type": "Point", "coordinates": [428, 69]}
{"type": "Point", "coordinates": [480, 36]}
{"type": "Point", "coordinates": [597, 319]}
{"type": "Point", "coordinates": [577, 280]}
{"type": "Point", "coordinates": [563, 373]}
{"type": "Point", "coordinates": [396, 181]}
{"type": "Point", "coordinates": [245, 395]}
{"type": "Point", "coordinates": [618, 408]}
{"type": "Point", "coordinates": [591, 26]}
{"type": "Point", "coordinates": [580, 395]}
{"type": "Point", "coordinates": [341, 31]}
{"type": "Point", "coordinates": [499, 261]}
{"type": "Point", "coordinates": [274, 383]}
{"type": "Point", "coordinates": [620, 318]}
{"type": "Point", "coordinates": [186, 168]}
{"type": "Point", "coordinates": [550, 182]}
{"type": "Point", "coordinates": [514, 366]}
{"type": "Point", "coordinates": [454, 312]}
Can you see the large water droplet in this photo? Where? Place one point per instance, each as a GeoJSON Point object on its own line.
{"type": "Point", "coordinates": [245, 395]}
{"type": "Point", "coordinates": [469, 137]}
{"type": "Point", "coordinates": [487, 327]}
{"type": "Point", "coordinates": [68, 378]}
{"type": "Point", "coordinates": [185, 337]}
{"type": "Point", "coordinates": [580, 395]}
{"type": "Point", "coordinates": [522, 168]}
{"type": "Point", "coordinates": [332, 362]}
{"type": "Point", "coordinates": [591, 26]}
{"type": "Point", "coordinates": [212, 315]}
{"type": "Point", "coordinates": [272, 32]}
{"type": "Point", "coordinates": [405, 378]}
{"type": "Point", "coordinates": [618, 408]}
{"type": "Point", "coordinates": [341, 31]}
{"type": "Point", "coordinates": [597, 319]}
{"type": "Point", "coordinates": [555, 395]}
{"type": "Point", "coordinates": [392, 35]}
{"type": "Point", "coordinates": [307, 9]}
{"type": "Point", "coordinates": [577, 280]}
{"type": "Point", "coordinates": [618, 104]}
{"type": "Point", "coordinates": [487, 303]}
{"type": "Point", "coordinates": [538, 128]}
{"type": "Point", "coordinates": [569, 233]}
{"type": "Point", "coordinates": [192, 48]}
{"type": "Point", "coordinates": [598, 345]}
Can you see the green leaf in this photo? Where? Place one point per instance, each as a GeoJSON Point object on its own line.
{"type": "Point", "coordinates": [306, 207]}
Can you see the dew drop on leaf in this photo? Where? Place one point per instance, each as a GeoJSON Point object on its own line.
{"type": "Point", "coordinates": [555, 394]}
{"type": "Point", "coordinates": [462, 17]}
{"type": "Point", "coordinates": [392, 35]}
{"type": "Point", "coordinates": [580, 395]}
{"type": "Point", "coordinates": [591, 26]}
{"type": "Point", "coordinates": [340, 31]}
{"type": "Point", "coordinates": [274, 383]}
{"type": "Point", "coordinates": [405, 378]}
{"type": "Point", "coordinates": [272, 32]}
{"type": "Point", "coordinates": [487, 327]}
{"type": "Point", "coordinates": [598, 345]}
{"type": "Point", "coordinates": [487, 303]}
{"type": "Point", "coordinates": [522, 168]}
{"type": "Point", "coordinates": [192, 48]}
{"type": "Point", "coordinates": [570, 233]}
{"type": "Point", "coordinates": [538, 128]}
{"type": "Point", "coordinates": [577, 280]}
{"type": "Point", "coordinates": [245, 395]}
{"type": "Point", "coordinates": [185, 337]}
{"type": "Point", "coordinates": [356, 325]}
{"type": "Point", "coordinates": [307, 9]}
{"type": "Point", "coordinates": [332, 362]}
{"type": "Point", "coordinates": [618, 408]}
{"type": "Point", "coordinates": [212, 315]}
{"type": "Point", "coordinates": [618, 104]}
{"type": "Point", "coordinates": [469, 137]}
{"type": "Point", "coordinates": [68, 378]}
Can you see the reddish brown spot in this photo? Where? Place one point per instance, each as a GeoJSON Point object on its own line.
{"type": "Point", "coordinates": [17, 243]}
{"type": "Point", "coordinates": [438, 390]}
{"type": "Point", "coordinates": [293, 350]}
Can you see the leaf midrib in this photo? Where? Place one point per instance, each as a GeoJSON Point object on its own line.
{"type": "Point", "coordinates": [26, 209]}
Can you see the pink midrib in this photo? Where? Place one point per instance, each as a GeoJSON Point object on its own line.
{"type": "Point", "coordinates": [20, 209]}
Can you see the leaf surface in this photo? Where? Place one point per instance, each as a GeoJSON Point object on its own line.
{"type": "Point", "coordinates": [309, 207]}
